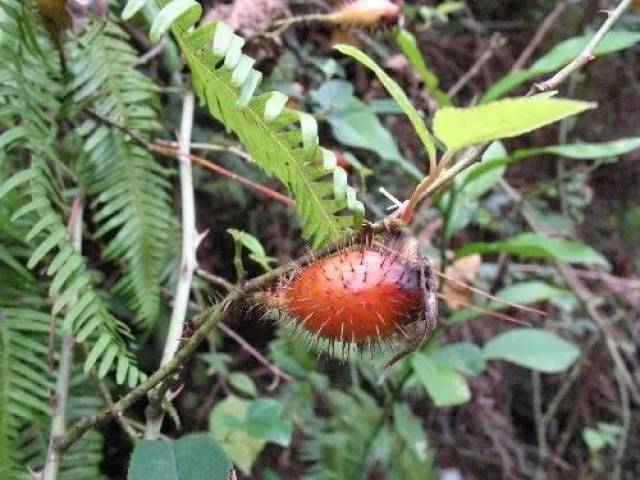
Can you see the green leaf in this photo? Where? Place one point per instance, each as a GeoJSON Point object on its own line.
{"type": "Point", "coordinates": [593, 439]}
{"type": "Point", "coordinates": [469, 186]}
{"type": "Point", "coordinates": [585, 151]}
{"type": "Point", "coordinates": [11, 136]}
{"type": "Point", "coordinates": [559, 56]}
{"type": "Point", "coordinates": [536, 245]}
{"type": "Point", "coordinates": [237, 443]}
{"type": "Point", "coordinates": [409, 46]}
{"type": "Point", "coordinates": [187, 11]}
{"type": "Point", "coordinates": [243, 383]}
{"type": "Point", "coordinates": [397, 93]}
{"type": "Point", "coordinates": [355, 124]}
{"type": "Point", "coordinates": [464, 357]}
{"type": "Point", "coordinates": [194, 457]}
{"type": "Point", "coordinates": [463, 127]}
{"type": "Point", "coordinates": [606, 434]}
{"type": "Point", "coordinates": [17, 179]}
{"type": "Point", "coordinates": [410, 429]}
{"type": "Point", "coordinates": [532, 348]}
{"type": "Point", "coordinates": [250, 242]}
{"type": "Point", "coordinates": [131, 8]}
{"type": "Point", "coordinates": [254, 246]}
{"type": "Point", "coordinates": [445, 385]}
{"type": "Point", "coordinates": [265, 420]}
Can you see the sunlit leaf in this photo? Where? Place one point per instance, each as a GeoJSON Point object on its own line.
{"type": "Point", "coordinates": [463, 127]}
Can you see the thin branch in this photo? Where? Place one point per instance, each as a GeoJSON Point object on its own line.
{"type": "Point", "coordinates": [496, 41]}
{"type": "Point", "coordinates": [61, 396]}
{"type": "Point", "coordinates": [124, 423]}
{"type": "Point", "coordinates": [540, 430]}
{"type": "Point", "coordinates": [541, 33]}
{"type": "Point", "coordinates": [151, 53]}
{"type": "Point", "coordinates": [189, 261]}
{"type": "Point", "coordinates": [266, 191]}
{"type": "Point", "coordinates": [215, 279]}
{"type": "Point", "coordinates": [586, 55]}
{"type": "Point", "coordinates": [277, 373]}
{"type": "Point", "coordinates": [212, 147]}
{"type": "Point", "coordinates": [228, 331]}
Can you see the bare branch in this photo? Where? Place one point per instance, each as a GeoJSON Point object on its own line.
{"type": "Point", "coordinates": [61, 395]}
{"type": "Point", "coordinates": [189, 261]}
{"type": "Point", "coordinates": [586, 55]}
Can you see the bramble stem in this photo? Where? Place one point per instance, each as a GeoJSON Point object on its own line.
{"type": "Point", "coordinates": [61, 395]}
{"type": "Point", "coordinates": [189, 261]}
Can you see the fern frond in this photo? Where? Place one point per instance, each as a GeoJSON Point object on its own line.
{"type": "Point", "coordinates": [132, 202]}
{"type": "Point", "coordinates": [283, 142]}
{"type": "Point", "coordinates": [29, 91]}
{"type": "Point", "coordinates": [71, 284]}
{"type": "Point", "coordinates": [24, 380]}
{"type": "Point", "coordinates": [82, 461]}
{"type": "Point", "coordinates": [338, 447]}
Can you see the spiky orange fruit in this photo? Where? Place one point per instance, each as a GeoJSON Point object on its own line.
{"type": "Point", "coordinates": [353, 296]}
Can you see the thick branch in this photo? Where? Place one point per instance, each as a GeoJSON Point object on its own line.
{"type": "Point", "coordinates": [205, 322]}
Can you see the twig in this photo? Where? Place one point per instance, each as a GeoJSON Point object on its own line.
{"type": "Point", "coordinates": [568, 381]}
{"type": "Point", "coordinates": [626, 425]}
{"type": "Point", "coordinates": [124, 423]}
{"type": "Point", "coordinates": [540, 430]}
{"type": "Point", "coordinates": [189, 263]}
{"type": "Point", "coordinates": [541, 33]}
{"type": "Point", "coordinates": [227, 173]}
{"type": "Point", "coordinates": [496, 41]}
{"type": "Point", "coordinates": [586, 55]}
{"type": "Point", "coordinates": [61, 396]}
{"type": "Point", "coordinates": [215, 279]}
{"type": "Point", "coordinates": [239, 152]}
{"type": "Point", "coordinates": [162, 146]}
{"type": "Point", "coordinates": [151, 53]}
{"type": "Point", "coordinates": [277, 373]}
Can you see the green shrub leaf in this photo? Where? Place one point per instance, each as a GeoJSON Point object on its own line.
{"type": "Point", "coordinates": [397, 93]}
{"type": "Point", "coordinates": [535, 245]}
{"type": "Point", "coordinates": [560, 56]}
{"type": "Point", "coordinates": [445, 385]}
{"type": "Point", "coordinates": [532, 348]}
{"type": "Point", "coordinates": [585, 151]}
{"type": "Point", "coordinates": [194, 457]}
{"type": "Point", "coordinates": [463, 127]}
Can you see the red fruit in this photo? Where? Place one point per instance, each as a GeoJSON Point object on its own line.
{"type": "Point", "coordinates": [354, 296]}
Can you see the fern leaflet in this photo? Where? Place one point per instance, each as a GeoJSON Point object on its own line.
{"type": "Point", "coordinates": [283, 142]}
